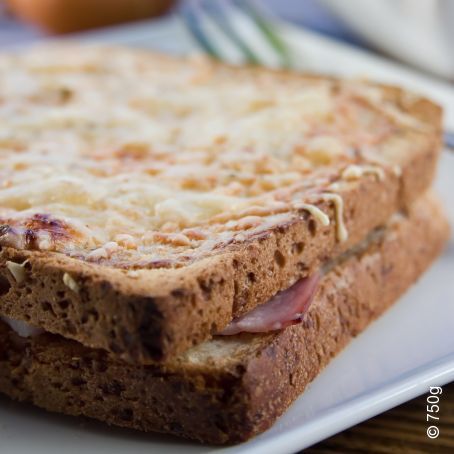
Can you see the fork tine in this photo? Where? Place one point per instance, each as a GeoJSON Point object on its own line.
{"type": "Point", "coordinates": [220, 16]}
{"type": "Point", "coordinates": [194, 25]}
{"type": "Point", "coordinates": [267, 29]}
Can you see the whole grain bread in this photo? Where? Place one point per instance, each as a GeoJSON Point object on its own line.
{"type": "Point", "coordinates": [228, 389]}
{"type": "Point", "coordinates": [153, 310]}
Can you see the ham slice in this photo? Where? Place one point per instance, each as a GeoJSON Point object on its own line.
{"type": "Point", "coordinates": [284, 309]}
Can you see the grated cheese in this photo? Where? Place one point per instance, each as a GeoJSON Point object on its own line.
{"type": "Point", "coordinates": [111, 155]}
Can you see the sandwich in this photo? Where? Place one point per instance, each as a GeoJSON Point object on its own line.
{"type": "Point", "coordinates": [172, 230]}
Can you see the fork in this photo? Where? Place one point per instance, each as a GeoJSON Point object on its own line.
{"type": "Point", "coordinates": [214, 24]}
{"type": "Point", "coordinates": [218, 27]}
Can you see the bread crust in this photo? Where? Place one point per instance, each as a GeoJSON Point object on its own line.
{"type": "Point", "coordinates": [217, 398]}
{"type": "Point", "coordinates": [156, 318]}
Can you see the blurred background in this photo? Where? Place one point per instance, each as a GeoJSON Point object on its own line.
{"type": "Point", "coordinates": [419, 33]}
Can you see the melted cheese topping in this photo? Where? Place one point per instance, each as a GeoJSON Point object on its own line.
{"type": "Point", "coordinates": [131, 159]}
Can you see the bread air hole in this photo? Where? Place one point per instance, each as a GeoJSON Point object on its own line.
{"type": "Point", "coordinates": [63, 304]}
{"type": "Point", "coordinates": [297, 248]}
{"type": "Point", "coordinates": [312, 226]}
{"type": "Point", "coordinates": [4, 285]}
{"type": "Point", "coordinates": [279, 258]}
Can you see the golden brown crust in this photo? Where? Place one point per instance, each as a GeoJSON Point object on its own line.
{"type": "Point", "coordinates": [168, 311]}
{"type": "Point", "coordinates": [227, 401]}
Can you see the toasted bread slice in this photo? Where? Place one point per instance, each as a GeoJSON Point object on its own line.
{"type": "Point", "coordinates": [229, 388]}
{"type": "Point", "coordinates": [146, 201]}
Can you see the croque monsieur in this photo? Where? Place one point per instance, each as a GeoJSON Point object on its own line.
{"type": "Point", "coordinates": [172, 230]}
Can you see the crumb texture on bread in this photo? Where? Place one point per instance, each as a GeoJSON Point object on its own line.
{"type": "Point", "coordinates": [228, 389]}
{"type": "Point", "coordinates": [146, 200]}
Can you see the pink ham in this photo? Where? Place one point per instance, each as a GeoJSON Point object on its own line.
{"type": "Point", "coordinates": [284, 309]}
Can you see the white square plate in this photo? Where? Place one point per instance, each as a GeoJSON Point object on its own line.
{"type": "Point", "coordinates": [397, 358]}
